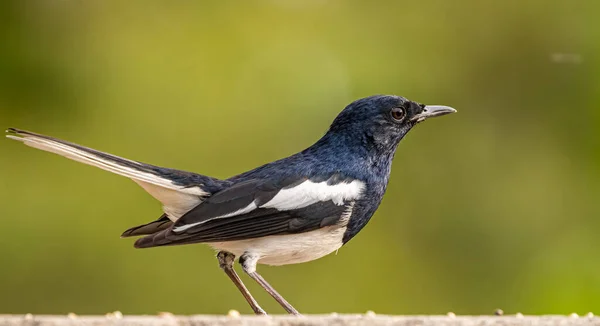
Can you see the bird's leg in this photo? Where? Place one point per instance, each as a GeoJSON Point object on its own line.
{"type": "Point", "coordinates": [226, 260]}
{"type": "Point", "coordinates": [248, 262]}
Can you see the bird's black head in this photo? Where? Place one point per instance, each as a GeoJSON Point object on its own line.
{"type": "Point", "coordinates": [380, 122]}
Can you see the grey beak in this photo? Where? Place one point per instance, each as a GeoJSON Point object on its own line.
{"type": "Point", "coordinates": [431, 111]}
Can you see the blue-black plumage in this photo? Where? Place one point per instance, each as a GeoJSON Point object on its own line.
{"type": "Point", "coordinates": [293, 210]}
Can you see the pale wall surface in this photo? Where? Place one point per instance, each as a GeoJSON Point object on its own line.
{"type": "Point", "coordinates": [316, 320]}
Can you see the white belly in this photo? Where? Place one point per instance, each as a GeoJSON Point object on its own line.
{"type": "Point", "coordinates": [289, 248]}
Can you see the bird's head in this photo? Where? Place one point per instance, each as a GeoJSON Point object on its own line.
{"type": "Point", "coordinates": [380, 122]}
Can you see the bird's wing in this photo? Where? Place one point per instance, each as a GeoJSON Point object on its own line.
{"type": "Point", "coordinates": [258, 208]}
{"type": "Point", "coordinates": [162, 223]}
{"type": "Point", "coordinates": [178, 191]}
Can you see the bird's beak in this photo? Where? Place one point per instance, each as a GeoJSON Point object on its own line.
{"type": "Point", "coordinates": [430, 111]}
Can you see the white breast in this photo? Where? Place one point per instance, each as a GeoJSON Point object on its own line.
{"type": "Point", "coordinates": [290, 248]}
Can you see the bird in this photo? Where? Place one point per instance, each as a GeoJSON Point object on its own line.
{"type": "Point", "coordinates": [292, 210]}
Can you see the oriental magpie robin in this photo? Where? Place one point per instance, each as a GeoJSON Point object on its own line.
{"type": "Point", "coordinates": [293, 210]}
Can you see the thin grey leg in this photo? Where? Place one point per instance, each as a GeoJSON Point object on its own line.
{"type": "Point", "coordinates": [226, 260]}
{"type": "Point", "coordinates": [248, 263]}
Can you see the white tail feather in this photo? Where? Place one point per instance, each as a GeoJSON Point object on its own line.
{"type": "Point", "coordinates": [177, 199]}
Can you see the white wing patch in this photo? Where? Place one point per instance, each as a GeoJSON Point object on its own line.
{"type": "Point", "coordinates": [177, 200]}
{"type": "Point", "coordinates": [308, 193]}
{"type": "Point", "coordinates": [300, 196]}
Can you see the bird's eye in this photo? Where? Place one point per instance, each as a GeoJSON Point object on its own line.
{"type": "Point", "coordinates": [398, 114]}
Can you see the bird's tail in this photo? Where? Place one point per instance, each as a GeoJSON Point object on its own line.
{"type": "Point", "coordinates": [179, 191]}
{"type": "Point", "coordinates": [121, 166]}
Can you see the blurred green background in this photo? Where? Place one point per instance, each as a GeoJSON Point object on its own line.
{"type": "Point", "coordinates": [494, 207]}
